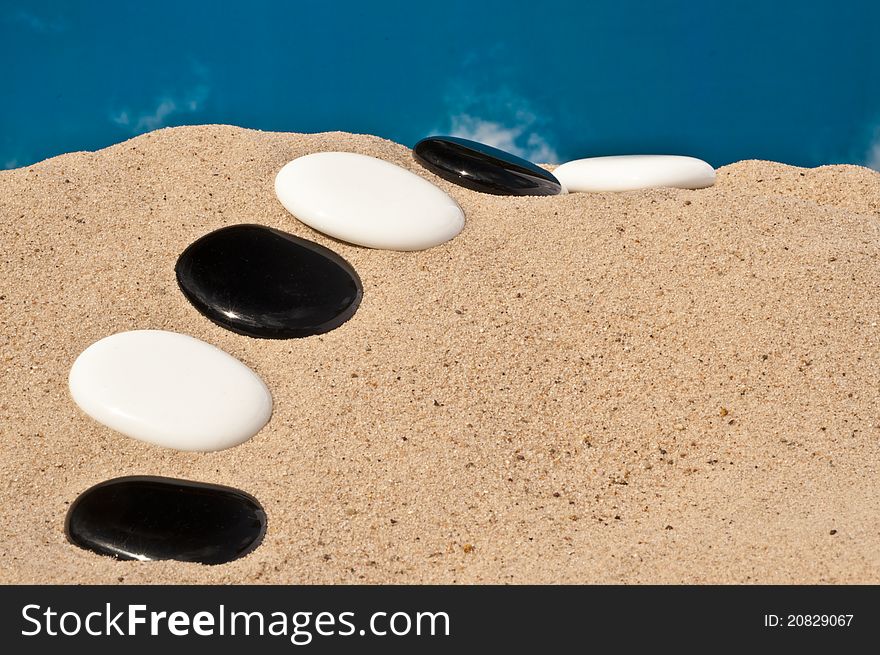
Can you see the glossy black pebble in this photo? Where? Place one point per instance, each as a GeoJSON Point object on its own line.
{"type": "Point", "coordinates": [483, 168]}
{"type": "Point", "coordinates": [153, 518]}
{"type": "Point", "coordinates": [266, 283]}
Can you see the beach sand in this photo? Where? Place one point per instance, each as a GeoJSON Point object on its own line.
{"type": "Point", "coordinates": [666, 386]}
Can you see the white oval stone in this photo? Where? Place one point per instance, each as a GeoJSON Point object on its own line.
{"type": "Point", "coordinates": [631, 172]}
{"type": "Point", "coordinates": [171, 390]}
{"type": "Point", "coordinates": [367, 201]}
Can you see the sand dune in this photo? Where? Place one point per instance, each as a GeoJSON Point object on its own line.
{"type": "Point", "coordinates": [658, 386]}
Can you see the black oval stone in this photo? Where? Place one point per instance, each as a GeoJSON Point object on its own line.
{"type": "Point", "coordinates": [266, 283]}
{"type": "Point", "coordinates": [483, 168]}
{"type": "Point", "coordinates": [154, 518]}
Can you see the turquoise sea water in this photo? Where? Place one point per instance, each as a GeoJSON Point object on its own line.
{"type": "Point", "coordinates": [792, 81]}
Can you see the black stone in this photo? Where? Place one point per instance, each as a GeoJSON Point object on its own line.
{"type": "Point", "coordinates": [152, 518]}
{"type": "Point", "coordinates": [266, 283]}
{"type": "Point", "coordinates": [483, 168]}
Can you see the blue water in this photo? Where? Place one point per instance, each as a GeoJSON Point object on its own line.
{"type": "Point", "coordinates": [785, 80]}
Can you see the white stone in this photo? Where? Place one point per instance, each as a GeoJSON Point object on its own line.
{"type": "Point", "coordinates": [631, 172]}
{"type": "Point", "coordinates": [367, 201]}
{"type": "Point", "coordinates": [171, 390]}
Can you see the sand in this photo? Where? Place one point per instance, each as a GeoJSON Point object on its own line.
{"type": "Point", "coordinates": [666, 386]}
